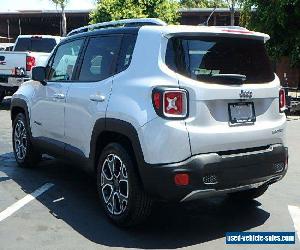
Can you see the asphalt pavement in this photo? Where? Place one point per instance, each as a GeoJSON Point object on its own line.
{"type": "Point", "coordinates": [66, 214]}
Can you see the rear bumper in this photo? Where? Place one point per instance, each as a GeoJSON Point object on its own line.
{"type": "Point", "coordinates": [8, 81]}
{"type": "Point", "coordinates": [215, 173]}
{"type": "Point", "coordinates": [8, 90]}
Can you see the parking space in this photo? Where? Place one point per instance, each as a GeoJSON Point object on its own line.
{"type": "Point", "coordinates": [68, 214]}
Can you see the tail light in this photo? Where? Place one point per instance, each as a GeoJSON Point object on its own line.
{"type": "Point", "coordinates": [170, 103]}
{"type": "Point", "coordinates": [30, 63]}
{"type": "Point", "coordinates": [282, 101]}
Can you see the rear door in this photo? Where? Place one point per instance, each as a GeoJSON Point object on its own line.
{"type": "Point", "coordinates": [88, 97]}
{"type": "Point", "coordinates": [233, 92]}
{"type": "Point", "coordinates": [48, 112]}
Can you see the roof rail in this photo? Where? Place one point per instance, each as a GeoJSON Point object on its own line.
{"type": "Point", "coordinates": [120, 23]}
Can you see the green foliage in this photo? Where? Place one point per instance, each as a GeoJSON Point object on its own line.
{"type": "Point", "coordinates": [107, 10]}
{"type": "Point", "coordinates": [281, 20]}
{"type": "Point", "coordinates": [203, 3]}
{"type": "Point", "coordinates": [61, 3]}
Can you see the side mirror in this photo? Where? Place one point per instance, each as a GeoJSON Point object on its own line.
{"type": "Point", "coordinates": [39, 74]}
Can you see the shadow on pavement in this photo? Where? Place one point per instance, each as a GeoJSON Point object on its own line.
{"type": "Point", "coordinates": [170, 225]}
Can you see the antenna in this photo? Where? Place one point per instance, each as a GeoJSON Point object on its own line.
{"type": "Point", "coordinates": [206, 22]}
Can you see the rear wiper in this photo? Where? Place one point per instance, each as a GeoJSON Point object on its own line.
{"type": "Point", "coordinates": [233, 77]}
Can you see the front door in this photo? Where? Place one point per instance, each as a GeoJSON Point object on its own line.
{"type": "Point", "coordinates": [48, 112]}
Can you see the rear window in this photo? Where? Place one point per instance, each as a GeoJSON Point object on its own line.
{"type": "Point", "coordinates": [37, 44]}
{"type": "Point", "coordinates": [215, 59]}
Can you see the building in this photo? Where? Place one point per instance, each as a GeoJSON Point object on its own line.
{"type": "Point", "coordinates": [14, 23]}
{"type": "Point", "coordinates": [196, 16]}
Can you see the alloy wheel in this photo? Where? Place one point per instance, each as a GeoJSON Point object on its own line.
{"type": "Point", "coordinates": [20, 140]}
{"type": "Point", "coordinates": [114, 184]}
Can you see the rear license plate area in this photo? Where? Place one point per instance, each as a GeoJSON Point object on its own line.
{"type": "Point", "coordinates": [241, 113]}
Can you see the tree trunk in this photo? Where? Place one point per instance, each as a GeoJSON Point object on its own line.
{"type": "Point", "coordinates": [232, 10]}
{"type": "Point", "coordinates": [63, 21]}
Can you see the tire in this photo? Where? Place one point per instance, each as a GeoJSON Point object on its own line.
{"type": "Point", "coordinates": [249, 194]}
{"type": "Point", "coordinates": [121, 193]}
{"type": "Point", "coordinates": [25, 155]}
{"type": "Point", "coordinates": [2, 95]}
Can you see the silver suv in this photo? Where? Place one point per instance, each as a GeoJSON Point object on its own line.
{"type": "Point", "coordinates": [157, 112]}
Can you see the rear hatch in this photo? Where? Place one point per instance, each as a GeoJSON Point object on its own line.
{"type": "Point", "coordinates": [233, 91]}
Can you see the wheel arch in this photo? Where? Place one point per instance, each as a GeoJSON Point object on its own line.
{"type": "Point", "coordinates": [108, 130]}
{"type": "Point", "coordinates": [19, 106]}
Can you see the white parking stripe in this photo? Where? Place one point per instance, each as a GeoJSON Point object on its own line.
{"type": "Point", "coordinates": [295, 214]}
{"type": "Point", "coordinates": [19, 204]}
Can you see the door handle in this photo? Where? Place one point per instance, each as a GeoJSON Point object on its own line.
{"type": "Point", "coordinates": [97, 98]}
{"type": "Point", "coordinates": [59, 96]}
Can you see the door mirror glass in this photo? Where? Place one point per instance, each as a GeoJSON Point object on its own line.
{"type": "Point", "coordinates": [39, 74]}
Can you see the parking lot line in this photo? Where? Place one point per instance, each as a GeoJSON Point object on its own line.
{"type": "Point", "coordinates": [295, 214]}
{"type": "Point", "coordinates": [19, 204]}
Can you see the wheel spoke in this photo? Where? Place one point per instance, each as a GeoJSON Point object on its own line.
{"type": "Point", "coordinates": [109, 203]}
{"type": "Point", "coordinates": [124, 175]}
{"type": "Point", "coordinates": [107, 173]}
{"type": "Point", "coordinates": [124, 188]}
{"type": "Point", "coordinates": [107, 191]}
{"type": "Point", "coordinates": [117, 206]}
{"type": "Point", "coordinates": [117, 166]}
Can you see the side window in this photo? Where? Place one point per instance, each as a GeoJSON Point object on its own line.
{"type": "Point", "coordinates": [61, 66]}
{"type": "Point", "coordinates": [127, 48]}
{"type": "Point", "coordinates": [100, 57]}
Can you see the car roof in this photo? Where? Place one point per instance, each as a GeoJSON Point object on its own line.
{"type": "Point", "coordinates": [172, 30]}
{"type": "Point", "coordinates": [109, 31]}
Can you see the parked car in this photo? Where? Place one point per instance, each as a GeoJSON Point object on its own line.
{"type": "Point", "coordinates": [157, 112]}
{"type": "Point", "coordinates": [16, 65]}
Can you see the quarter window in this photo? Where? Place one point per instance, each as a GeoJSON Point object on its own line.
{"type": "Point", "coordinates": [62, 65]}
{"type": "Point", "coordinates": [100, 58]}
{"type": "Point", "coordinates": [128, 44]}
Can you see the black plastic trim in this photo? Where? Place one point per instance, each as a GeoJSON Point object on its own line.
{"type": "Point", "coordinates": [231, 172]}
{"type": "Point", "coordinates": [20, 103]}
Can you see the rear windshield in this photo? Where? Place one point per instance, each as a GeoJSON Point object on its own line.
{"type": "Point", "coordinates": [216, 59]}
{"type": "Point", "coordinates": [38, 44]}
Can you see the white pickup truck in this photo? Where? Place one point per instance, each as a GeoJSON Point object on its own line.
{"type": "Point", "coordinates": [16, 65]}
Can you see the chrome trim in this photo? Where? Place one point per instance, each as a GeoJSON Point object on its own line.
{"type": "Point", "coordinates": [269, 149]}
{"type": "Point", "coordinates": [198, 194]}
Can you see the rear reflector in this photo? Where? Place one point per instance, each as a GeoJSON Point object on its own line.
{"type": "Point", "coordinates": [182, 179]}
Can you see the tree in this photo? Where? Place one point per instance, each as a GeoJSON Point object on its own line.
{"type": "Point", "coordinates": [62, 4]}
{"type": "Point", "coordinates": [202, 3]}
{"type": "Point", "coordinates": [107, 10]}
{"type": "Point", "coordinates": [231, 5]}
{"type": "Point", "coordinates": [281, 20]}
